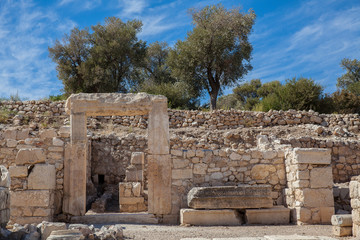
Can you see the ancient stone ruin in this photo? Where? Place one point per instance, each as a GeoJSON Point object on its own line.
{"type": "Point", "coordinates": [89, 160]}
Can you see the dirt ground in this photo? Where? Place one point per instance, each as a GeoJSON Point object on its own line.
{"type": "Point", "coordinates": [164, 232]}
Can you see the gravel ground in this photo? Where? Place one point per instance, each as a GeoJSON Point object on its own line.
{"type": "Point", "coordinates": [162, 232]}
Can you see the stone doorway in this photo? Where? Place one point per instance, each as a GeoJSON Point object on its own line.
{"type": "Point", "coordinates": [79, 107]}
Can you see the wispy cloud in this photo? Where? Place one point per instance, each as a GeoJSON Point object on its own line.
{"type": "Point", "coordinates": [310, 45]}
{"type": "Point", "coordinates": [26, 31]}
{"type": "Point", "coordinates": [132, 7]}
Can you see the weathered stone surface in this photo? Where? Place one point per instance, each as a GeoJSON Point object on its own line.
{"type": "Point", "coordinates": [159, 184]}
{"type": "Point", "coordinates": [321, 178]}
{"type": "Point", "coordinates": [318, 198]}
{"type": "Point", "coordinates": [137, 158]}
{"type": "Point", "coordinates": [4, 177]}
{"type": "Point", "coordinates": [18, 171]}
{"type": "Point", "coordinates": [340, 231]}
{"type": "Point", "coordinates": [261, 171]}
{"type": "Point", "coordinates": [72, 234]}
{"type": "Point", "coordinates": [74, 201]}
{"type": "Point", "coordinates": [312, 155]}
{"type": "Point", "coordinates": [42, 176]}
{"type": "Point", "coordinates": [223, 217]}
{"type": "Point", "coordinates": [325, 214]}
{"type": "Point", "coordinates": [107, 218]}
{"type": "Point", "coordinates": [342, 220]}
{"type": "Point", "coordinates": [158, 128]}
{"type": "Point", "coordinates": [30, 198]}
{"type": "Point", "coordinates": [30, 156]}
{"type": "Point", "coordinates": [47, 133]}
{"type": "Point", "coordinates": [234, 197]}
{"type": "Point", "coordinates": [271, 216]}
{"type": "Point", "coordinates": [47, 227]}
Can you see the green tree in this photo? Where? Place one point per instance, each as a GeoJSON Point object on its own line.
{"type": "Point", "coordinates": [247, 94]}
{"type": "Point", "coordinates": [345, 102]}
{"type": "Point", "coordinates": [351, 79]}
{"type": "Point", "coordinates": [216, 53]}
{"type": "Point", "coordinates": [154, 77]}
{"type": "Point", "coordinates": [101, 61]}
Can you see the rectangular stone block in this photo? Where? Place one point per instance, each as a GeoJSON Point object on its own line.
{"type": "Point", "coordinates": [318, 198]}
{"type": "Point", "coordinates": [131, 200]}
{"type": "Point", "coordinates": [222, 217]}
{"type": "Point", "coordinates": [233, 197]}
{"type": "Point", "coordinates": [30, 198]}
{"type": "Point", "coordinates": [312, 155]}
{"type": "Point", "coordinates": [342, 231]}
{"type": "Point", "coordinates": [137, 158]}
{"type": "Point", "coordinates": [18, 171]}
{"type": "Point", "coordinates": [30, 156]}
{"type": "Point", "coordinates": [342, 220]}
{"type": "Point", "coordinates": [326, 214]}
{"type": "Point", "coordinates": [182, 174]}
{"type": "Point", "coordinates": [321, 178]}
{"type": "Point", "coordinates": [271, 216]}
{"type": "Point", "coordinates": [42, 176]}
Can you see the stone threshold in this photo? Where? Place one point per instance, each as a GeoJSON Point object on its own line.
{"type": "Point", "coordinates": [114, 218]}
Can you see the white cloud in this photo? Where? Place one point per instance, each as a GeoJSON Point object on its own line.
{"type": "Point", "coordinates": [132, 8]}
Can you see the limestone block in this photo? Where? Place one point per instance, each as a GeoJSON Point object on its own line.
{"type": "Point", "coordinates": [11, 143]}
{"type": "Point", "coordinates": [271, 216]}
{"type": "Point", "coordinates": [182, 173]}
{"type": "Point", "coordinates": [57, 142]}
{"type": "Point", "coordinates": [312, 155]}
{"type": "Point", "coordinates": [29, 220]}
{"type": "Point", "coordinates": [325, 214]}
{"type": "Point", "coordinates": [10, 134]}
{"type": "Point", "coordinates": [137, 158]}
{"type": "Point", "coordinates": [339, 231]}
{"type": "Point", "coordinates": [42, 212]}
{"type": "Point", "coordinates": [47, 133]}
{"type": "Point", "coordinates": [200, 168]}
{"type": "Point", "coordinates": [261, 171]}
{"type": "Point", "coordinates": [136, 189]}
{"type": "Point", "coordinates": [234, 197]}
{"type": "Point", "coordinates": [47, 227]}
{"type": "Point", "coordinates": [18, 171]}
{"type": "Point", "coordinates": [73, 234]}
{"type": "Point", "coordinates": [303, 214]}
{"type": "Point", "coordinates": [223, 217]}
{"type": "Point", "coordinates": [42, 176]}
{"type": "Point", "coordinates": [30, 156]}
{"type": "Point", "coordinates": [131, 200]}
{"type": "Point", "coordinates": [4, 198]}
{"type": "Point", "coordinates": [159, 184]}
{"type": "Point", "coordinates": [318, 198]}
{"type": "Point", "coordinates": [356, 230]}
{"type": "Point", "coordinates": [30, 198]}
{"type": "Point", "coordinates": [321, 178]}
{"type": "Point", "coordinates": [132, 174]}
{"type": "Point", "coordinates": [158, 128]}
{"type": "Point", "coordinates": [4, 177]}
{"type": "Point", "coordinates": [342, 220]}
{"type": "Point", "coordinates": [64, 131]}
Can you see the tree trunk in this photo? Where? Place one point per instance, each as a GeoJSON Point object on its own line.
{"type": "Point", "coordinates": [213, 98]}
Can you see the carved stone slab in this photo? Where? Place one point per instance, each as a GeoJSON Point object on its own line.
{"type": "Point", "coordinates": [230, 197]}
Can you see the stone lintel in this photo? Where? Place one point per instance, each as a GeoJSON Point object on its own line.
{"type": "Point", "coordinates": [109, 104]}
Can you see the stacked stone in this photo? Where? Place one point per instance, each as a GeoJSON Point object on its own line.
{"type": "Point", "coordinates": [35, 107]}
{"type": "Point", "coordinates": [36, 174]}
{"type": "Point", "coordinates": [342, 225]}
{"type": "Point", "coordinates": [226, 167]}
{"type": "Point", "coordinates": [310, 183]}
{"type": "Point", "coordinates": [345, 155]}
{"type": "Point", "coordinates": [355, 204]}
{"type": "Point", "coordinates": [131, 192]}
{"type": "Point", "coordinates": [4, 196]}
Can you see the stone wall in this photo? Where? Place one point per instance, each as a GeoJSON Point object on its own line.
{"type": "Point", "coordinates": [35, 161]}
{"type": "Point", "coordinates": [4, 196]}
{"type": "Point", "coordinates": [345, 155]}
{"type": "Point", "coordinates": [227, 167]}
{"type": "Point", "coordinates": [220, 119]}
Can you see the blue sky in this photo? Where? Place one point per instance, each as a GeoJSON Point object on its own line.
{"type": "Point", "coordinates": [291, 37]}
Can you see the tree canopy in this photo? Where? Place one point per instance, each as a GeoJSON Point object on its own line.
{"type": "Point", "coordinates": [101, 61]}
{"type": "Point", "coordinates": [351, 79]}
{"type": "Point", "coordinates": [216, 53]}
